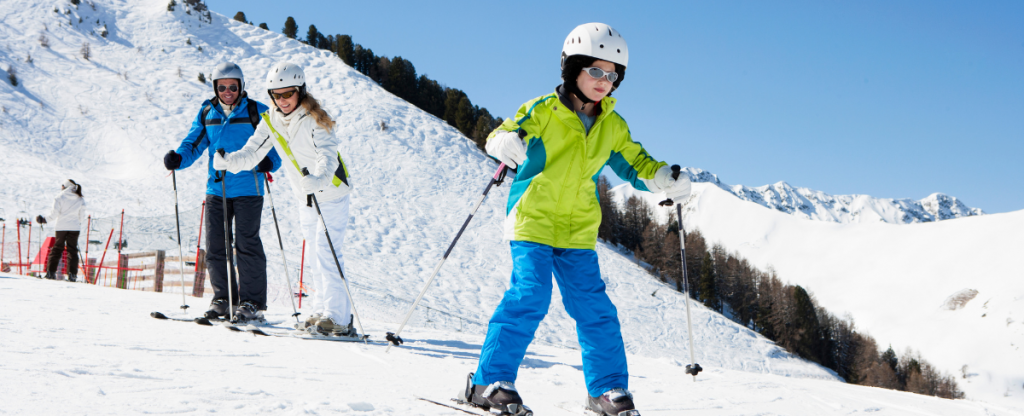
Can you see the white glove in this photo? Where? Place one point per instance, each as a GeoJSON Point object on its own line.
{"type": "Point", "coordinates": [229, 162]}
{"type": "Point", "coordinates": [310, 184]}
{"type": "Point", "coordinates": [508, 148]}
{"type": "Point", "coordinates": [219, 163]}
{"type": "Point", "coordinates": [675, 189]}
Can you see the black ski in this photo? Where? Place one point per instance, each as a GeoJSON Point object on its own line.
{"type": "Point", "coordinates": [160, 315]}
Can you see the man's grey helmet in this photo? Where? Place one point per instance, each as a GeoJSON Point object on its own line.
{"type": "Point", "coordinates": [228, 70]}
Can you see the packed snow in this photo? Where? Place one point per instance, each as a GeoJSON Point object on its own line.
{"type": "Point", "coordinates": [108, 120]}
{"type": "Point", "coordinates": [71, 348]}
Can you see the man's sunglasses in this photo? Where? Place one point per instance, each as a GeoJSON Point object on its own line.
{"type": "Point", "coordinates": [597, 73]}
{"type": "Point", "coordinates": [233, 88]}
{"type": "Point", "coordinates": [285, 95]}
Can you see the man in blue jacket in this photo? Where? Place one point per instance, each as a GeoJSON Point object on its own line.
{"type": "Point", "coordinates": [226, 122]}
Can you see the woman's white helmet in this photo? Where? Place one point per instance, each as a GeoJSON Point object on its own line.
{"type": "Point", "coordinates": [285, 74]}
{"type": "Point", "coordinates": [596, 40]}
{"type": "Point", "coordinates": [228, 70]}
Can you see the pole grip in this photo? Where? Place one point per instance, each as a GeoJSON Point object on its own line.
{"type": "Point", "coordinates": [309, 198]}
{"type": "Point", "coordinates": [675, 175]}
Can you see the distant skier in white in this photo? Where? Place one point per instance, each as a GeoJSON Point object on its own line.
{"type": "Point", "coordinates": [300, 129]}
{"type": "Point", "coordinates": [68, 210]}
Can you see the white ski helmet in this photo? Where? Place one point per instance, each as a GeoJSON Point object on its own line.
{"type": "Point", "coordinates": [285, 74]}
{"type": "Point", "coordinates": [596, 40]}
{"type": "Point", "coordinates": [228, 70]}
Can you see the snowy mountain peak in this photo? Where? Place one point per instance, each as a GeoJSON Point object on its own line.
{"type": "Point", "coordinates": [816, 205]}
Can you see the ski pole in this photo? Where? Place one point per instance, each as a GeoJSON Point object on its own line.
{"type": "Point", "coordinates": [693, 368]}
{"type": "Point", "coordinates": [41, 231]}
{"type": "Point", "coordinates": [181, 253]}
{"type": "Point", "coordinates": [280, 242]}
{"type": "Point", "coordinates": [227, 238]}
{"type": "Point", "coordinates": [395, 337]}
{"type": "Point", "coordinates": [334, 254]}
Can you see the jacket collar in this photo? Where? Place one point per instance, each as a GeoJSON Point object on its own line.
{"type": "Point", "coordinates": [606, 107]}
{"type": "Point", "coordinates": [214, 102]}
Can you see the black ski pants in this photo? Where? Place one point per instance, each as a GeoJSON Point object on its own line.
{"type": "Point", "coordinates": [64, 239]}
{"type": "Point", "coordinates": [251, 262]}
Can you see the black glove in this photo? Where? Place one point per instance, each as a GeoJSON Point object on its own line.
{"type": "Point", "coordinates": [172, 160]}
{"type": "Point", "coordinates": [266, 165]}
{"type": "Point", "coordinates": [40, 219]}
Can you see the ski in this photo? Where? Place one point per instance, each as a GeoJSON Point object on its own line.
{"type": "Point", "coordinates": [452, 407]}
{"type": "Point", "coordinates": [161, 316]}
{"type": "Point", "coordinates": [300, 334]}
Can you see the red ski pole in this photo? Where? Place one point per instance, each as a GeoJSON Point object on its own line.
{"type": "Point", "coordinates": [199, 239]}
{"type": "Point", "coordinates": [19, 246]}
{"type": "Point", "coordinates": [28, 250]}
{"type": "Point", "coordinates": [85, 266]}
{"type": "Point", "coordinates": [104, 256]}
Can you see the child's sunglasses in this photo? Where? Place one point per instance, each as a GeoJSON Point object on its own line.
{"type": "Point", "coordinates": [597, 73]}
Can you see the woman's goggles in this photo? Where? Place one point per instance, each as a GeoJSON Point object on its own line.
{"type": "Point", "coordinates": [285, 95]}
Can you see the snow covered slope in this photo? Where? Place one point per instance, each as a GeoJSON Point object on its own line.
{"type": "Point", "coordinates": [107, 122]}
{"type": "Point", "coordinates": [816, 205]}
{"type": "Point", "coordinates": [896, 280]}
{"type": "Point", "coordinates": [99, 360]}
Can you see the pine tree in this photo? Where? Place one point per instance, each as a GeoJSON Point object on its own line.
{"type": "Point", "coordinates": [402, 79]}
{"type": "Point", "coordinates": [430, 96]}
{"type": "Point", "coordinates": [264, 26]}
{"type": "Point", "coordinates": [85, 51]}
{"type": "Point", "coordinates": [312, 36]}
{"type": "Point", "coordinates": [707, 287]}
{"type": "Point", "coordinates": [379, 71]}
{"type": "Point", "coordinates": [170, 6]}
{"type": "Point", "coordinates": [451, 105]}
{"type": "Point", "coordinates": [609, 228]}
{"type": "Point", "coordinates": [482, 129]}
{"type": "Point", "coordinates": [290, 28]}
{"type": "Point", "coordinates": [805, 332]}
{"type": "Point", "coordinates": [464, 116]}
{"type": "Point", "coordinates": [673, 268]}
{"type": "Point", "coordinates": [636, 215]}
{"type": "Point", "coordinates": [202, 78]}
{"type": "Point", "coordinates": [344, 49]}
{"type": "Point", "coordinates": [240, 16]}
{"type": "Point", "coordinates": [11, 76]}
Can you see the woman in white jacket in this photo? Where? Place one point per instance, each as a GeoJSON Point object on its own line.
{"type": "Point", "coordinates": [299, 129]}
{"type": "Point", "coordinates": [69, 210]}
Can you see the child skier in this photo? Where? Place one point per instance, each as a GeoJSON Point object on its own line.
{"type": "Point", "coordinates": [298, 127]}
{"type": "Point", "coordinates": [559, 144]}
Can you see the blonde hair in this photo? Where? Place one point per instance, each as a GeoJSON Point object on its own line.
{"type": "Point", "coordinates": [312, 105]}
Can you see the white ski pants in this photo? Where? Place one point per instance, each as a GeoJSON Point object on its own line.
{"type": "Point", "coordinates": [329, 299]}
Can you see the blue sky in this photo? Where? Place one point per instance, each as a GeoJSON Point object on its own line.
{"type": "Point", "coordinates": [890, 99]}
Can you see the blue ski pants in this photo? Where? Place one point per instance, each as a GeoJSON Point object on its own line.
{"type": "Point", "coordinates": [524, 305]}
